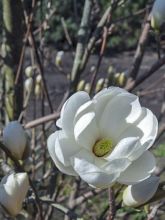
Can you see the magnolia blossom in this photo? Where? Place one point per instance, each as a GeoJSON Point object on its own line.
{"type": "Point", "coordinates": [140, 193]}
{"type": "Point", "coordinates": [13, 189]}
{"type": "Point", "coordinates": [15, 139]}
{"type": "Point", "coordinates": [105, 139]}
{"type": "Point", "coordinates": [158, 14]}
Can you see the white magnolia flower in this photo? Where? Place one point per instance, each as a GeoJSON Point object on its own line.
{"type": "Point", "coordinates": [13, 189]}
{"type": "Point", "coordinates": [105, 139]}
{"type": "Point", "coordinates": [15, 139]}
{"type": "Point", "coordinates": [158, 14]}
{"type": "Point", "coordinates": [140, 193]}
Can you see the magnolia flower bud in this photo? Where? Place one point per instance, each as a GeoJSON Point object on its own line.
{"type": "Point", "coordinates": [13, 189]}
{"type": "Point", "coordinates": [38, 78]}
{"type": "Point", "coordinates": [99, 85]}
{"type": "Point", "coordinates": [28, 84]}
{"type": "Point", "coordinates": [4, 49]}
{"type": "Point", "coordinates": [140, 193]}
{"type": "Point", "coordinates": [92, 69]}
{"type": "Point", "coordinates": [14, 138]}
{"type": "Point", "coordinates": [110, 69]}
{"type": "Point", "coordinates": [29, 71]}
{"type": "Point", "coordinates": [120, 79]}
{"type": "Point", "coordinates": [158, 14]}
{"type": "Point", "coordinates": [81, 85]}
{"type": "Point", "coordinates": [37, 90]}
{"type": "Point", "coordinates": [87, 87]}
{"type": "Point", "coordinates": [58, 59]}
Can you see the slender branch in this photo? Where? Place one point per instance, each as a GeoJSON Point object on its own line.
{"type": "Point", "coordinates": [140, 50]}
{"type": "Point", "coordinates": [32, 41]}
{"type": "Point", "coordinates": [112, 209]}
{"type": "Point", "coordinates": [61, 208]}
{"type": "Point", "coordinates": [134, 83]}
{"type": "Point", "coordinates": [42, 120]}
{"type": "Point", "coordinates": [82, 37]}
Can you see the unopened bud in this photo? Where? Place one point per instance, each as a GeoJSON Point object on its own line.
{"type": "Point", "coordinates": [28, 84]}
{"type": "Point", "coordinates": [81, 85]}
{"type": "Point", "coordinates": [99, 85]}
{"type": "Point", "coordinates": [120, 79]}
{"type": "Point", "coordinates": [38, 78]}
{"type": "Point", "coordinates": [29, 71]}
{"type": "Point", "coordinates": [13, 190]}
{"type": "Point", "coordinates": [58, 59]}
{"type": "Point", "coordinates": [92, 69]}
{"type": "Point", "coordinates": [15, 139]}
{"type": "Point", "coordinates": [110, 69]}
{"type": "Point", "coordinates": [140, 193]}
{"type": "Point", "coordinates": [37, 90]}
{"type": "Point", "coordinates": [87, 87]}
{"type": "Point", "coordinates": [158, 14]}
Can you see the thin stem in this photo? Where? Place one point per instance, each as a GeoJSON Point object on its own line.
{"type": "Point", "coordinates": [112, 208]}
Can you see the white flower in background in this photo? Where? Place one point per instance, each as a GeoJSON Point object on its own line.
{"type": "Point", "coordinates": [140, 193]}
{"type": "Point", "coordinates": [15, 139]}
{"type": "Point", "coordinates": [158, 14]}
{"type": "Point", "coordinates": [105, 139]}
{"type": "Point", "coordinates": [13, 189]}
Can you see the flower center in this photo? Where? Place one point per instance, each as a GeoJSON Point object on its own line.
{"type": "Point", "coordinates": [102, 147]}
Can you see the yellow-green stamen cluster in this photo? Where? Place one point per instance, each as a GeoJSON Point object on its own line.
{"type": "Point", "coordinates": [102, 147]}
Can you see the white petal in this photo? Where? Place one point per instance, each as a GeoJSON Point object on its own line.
{"type": "Point", "coordinates": [14, 138]}
{"type": "Point", "coordinates": [102, 98]}
{"type": "Point", "coordinates": [125, 148]}
{"type": "Point", "coordinates": [140, 193]}
{"type": "Point", "coordinates": [51, 148]}
{"type": "Point", "coordinates": [139, 170]}
{"type": "Point", "coordinates": [148, 125]}
{"type": "Point", "coordinates": [120, 111]}
{"type": "Point", "coordinates": [59, 123]}
{"type": "Point", "coordinates": [13, 191]}
{"type": "Point", "coordinates": [70, 108]}
{"type": "Point", "coordinates": [110, 91]}
{"type": "Point", "coordinates": [117, 165]}
{"type": "Point", "coordinates": [84, 109]}
{"type": "Point", "coordinates": [65, 148]}
{"type": "Point", "coordinates": [145, 128]}
{"type": "Point", "coordinates": [86, 131]}
{"type": "Point", "coordinates": [91, 173]}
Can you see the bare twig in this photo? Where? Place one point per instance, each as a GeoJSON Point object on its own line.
{"type": "Point", "coordinates": [140, 50]}
{"type": "Point", "coordinates": [134, 83]}
{"type": "Point", "coordinates": [82, 37]}
{"type": "Point", "coordinates": [112, 208]}
{"type": "Point", "coordinates": [42, 120]}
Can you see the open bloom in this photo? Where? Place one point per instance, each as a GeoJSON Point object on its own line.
{"type": "Point", "coordinates": [158, 14]}
{"type": "Point", "coordinates": [140, 193]}
{"type": "Point", "coordinates": [105, 139]}
{"type": "Point", "coordinates": [15, 139]}
{"type": "Point", "coordinates": [13, 189]}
